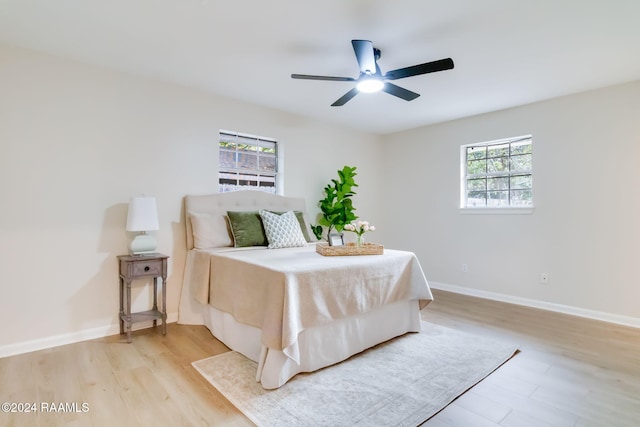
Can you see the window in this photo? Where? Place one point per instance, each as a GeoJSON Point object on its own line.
{"type": "Point", "coordinates": [247, 162]}
{"type": "Point", "coordinates": [497, 174]}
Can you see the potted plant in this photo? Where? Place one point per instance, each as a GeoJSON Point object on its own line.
{"type": "Point", "coordinates": [337, 207]}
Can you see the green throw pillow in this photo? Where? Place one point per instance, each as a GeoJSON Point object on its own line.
{"type": "Point", "coordinates": [247, 229]}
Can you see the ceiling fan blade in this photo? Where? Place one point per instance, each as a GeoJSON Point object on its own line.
{"type": "Point", "coordinates": [365, 55]}
{"type": "Point", "coordinates": [400, 92]}
{"type": "Point", "coordinates": [331, 78]}
{"type": "Point", "coordinates": [345, 98]}
{"type": "Point", "coordinates": [416, 70]}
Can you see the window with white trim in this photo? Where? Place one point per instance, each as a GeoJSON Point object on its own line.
{"type": "Point", "coordinates": [497, 174]}
{"type": "Point", "coordinates": [247, 162]}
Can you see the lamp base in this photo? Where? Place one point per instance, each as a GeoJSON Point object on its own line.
{"type": "Point", "coordinates": [143, 244]}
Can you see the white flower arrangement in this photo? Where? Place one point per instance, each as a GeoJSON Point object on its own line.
{"type": "Point", "coordinates": [359, 227]}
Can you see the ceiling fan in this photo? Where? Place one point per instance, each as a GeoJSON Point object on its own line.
{"type": "Point", "coordinates": [371, 78]}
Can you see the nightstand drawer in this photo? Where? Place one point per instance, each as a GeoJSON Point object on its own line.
{"type": "Point", "coordinates": [146, 268]}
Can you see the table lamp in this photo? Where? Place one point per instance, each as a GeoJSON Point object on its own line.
{"type": "Point", "coordinates": [143, 217]}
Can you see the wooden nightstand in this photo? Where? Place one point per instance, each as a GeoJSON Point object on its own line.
{"type": "Point", "coordinates": [140, 267]}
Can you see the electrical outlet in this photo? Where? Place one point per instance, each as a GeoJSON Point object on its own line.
{"type": "Point", "coordinates": [544, 278]}
{"type": "Point", "coordinates": [465, 268]}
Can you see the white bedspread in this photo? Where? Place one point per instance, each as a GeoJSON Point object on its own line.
{"type": "Point", "coordinates": [285, 291]}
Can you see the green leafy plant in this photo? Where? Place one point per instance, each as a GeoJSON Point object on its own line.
{"type": "Point", "coordinates": [337, 207]}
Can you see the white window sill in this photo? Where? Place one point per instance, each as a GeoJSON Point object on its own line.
{"type": "Point", "coordinates": [496, 211]}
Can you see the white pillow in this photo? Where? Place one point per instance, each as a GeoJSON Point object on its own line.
{"type": "Point", "coordinates": [210, 231]}
{"type": "Point", "coordinates": [282, 231]}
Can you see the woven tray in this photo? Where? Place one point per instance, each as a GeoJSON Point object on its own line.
{"type": "Point", "coordinates": [349, 249]}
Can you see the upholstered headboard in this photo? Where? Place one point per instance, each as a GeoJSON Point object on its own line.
{"type": "Point", "coordinates": [247, 200]}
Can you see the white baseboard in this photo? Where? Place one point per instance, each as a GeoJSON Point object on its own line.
{"type": "Point", "coordinates": [634, 322]}
{"type": "Point", "coordinates": [73, 337]}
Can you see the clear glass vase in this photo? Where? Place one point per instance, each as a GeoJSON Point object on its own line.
{"type": "Point", "coordinates": [359, 240]}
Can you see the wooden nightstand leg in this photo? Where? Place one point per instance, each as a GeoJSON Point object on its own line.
{"type": "Point", "coordinates": [164, 305]}
{"type": "Point", "coordinates": [121, 315]}
{"type": "Point", "coordinates": [155, 299]}
{"type": "Point", "coordinates": [128, 314]}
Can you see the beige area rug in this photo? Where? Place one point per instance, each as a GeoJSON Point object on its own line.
{"type": "Point", "coordinates": [402, 382]}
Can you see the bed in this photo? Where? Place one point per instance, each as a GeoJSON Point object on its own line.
{"type": "Point", "coordinates": [290, 309]}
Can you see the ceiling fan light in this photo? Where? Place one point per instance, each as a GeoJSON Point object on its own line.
{"type": "Point", "coordinates": [370, 85]}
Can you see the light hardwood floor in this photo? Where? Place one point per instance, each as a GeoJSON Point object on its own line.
{"type": "Point", "coordinates": [570, 372]}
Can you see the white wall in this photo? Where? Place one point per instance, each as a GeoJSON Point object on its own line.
{"type": "Point", "coordinates": [585, 228]}
{"type": "Point", "coordinates": [77, 141]}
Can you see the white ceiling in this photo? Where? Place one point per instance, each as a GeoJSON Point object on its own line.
{"type": "Point", "coordinates": [506, 52]}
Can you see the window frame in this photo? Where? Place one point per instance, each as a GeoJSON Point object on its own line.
{"type": "Point", "coordinates": [239, 138]}
{"type": "Point", "coordinates": [464, 208]}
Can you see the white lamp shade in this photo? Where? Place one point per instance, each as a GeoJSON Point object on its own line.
{"type": "Point", "coordinates": [143, 214]}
